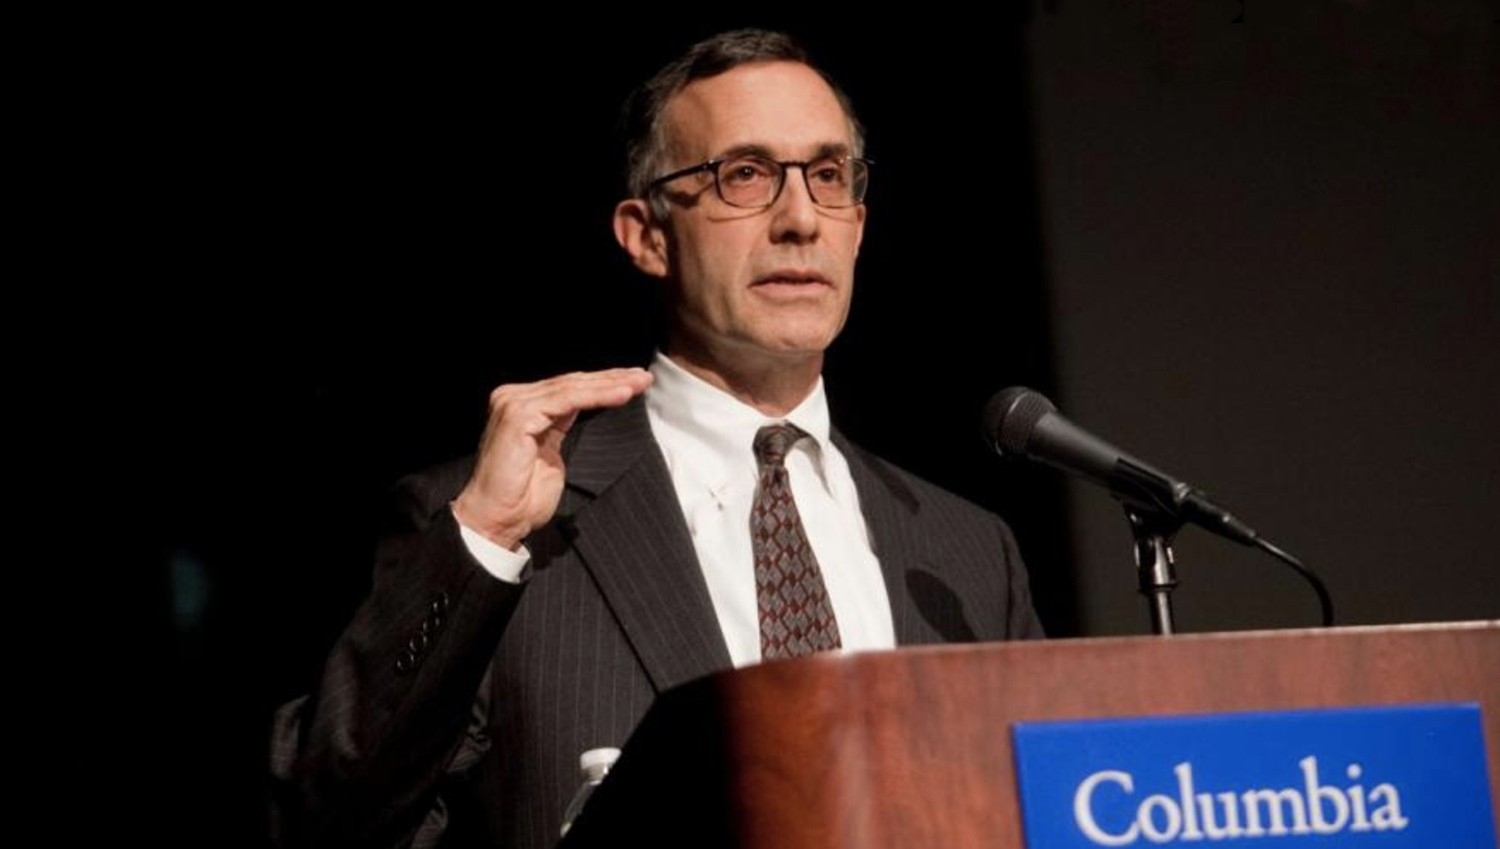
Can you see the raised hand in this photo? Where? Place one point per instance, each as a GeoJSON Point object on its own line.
{"type": "Point", "coordinates": [518, 477]}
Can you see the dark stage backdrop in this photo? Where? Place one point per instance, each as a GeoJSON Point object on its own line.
{"type": "Point", "coordinates": [1259, 254]}
{"type": "Point", "coordinates": [1274, 269]}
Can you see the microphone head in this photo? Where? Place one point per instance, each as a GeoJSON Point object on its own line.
{"type": "Point", "coordinates": [1011, 416]}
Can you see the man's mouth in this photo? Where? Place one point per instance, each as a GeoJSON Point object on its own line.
{"type": "Point", "coordinates": [792, 277]}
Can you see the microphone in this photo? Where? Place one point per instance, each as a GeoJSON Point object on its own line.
{"type": "Point", "coordinates": [1019, 422]}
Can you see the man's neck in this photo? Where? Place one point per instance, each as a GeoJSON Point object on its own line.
{"type": "Point", "coordinates": [774, 387]}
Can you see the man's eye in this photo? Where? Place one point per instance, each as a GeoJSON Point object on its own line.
{"type": "Point", "coordinates": [830, 173]}
{"type": "Point", "coordinates": [741, 173]}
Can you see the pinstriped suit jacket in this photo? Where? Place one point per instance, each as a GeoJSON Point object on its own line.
{"type": "Point", "coordinates": [394, 747]}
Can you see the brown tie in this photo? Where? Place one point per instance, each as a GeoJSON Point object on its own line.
{"type": "Point", "coordinates": [796, 617]}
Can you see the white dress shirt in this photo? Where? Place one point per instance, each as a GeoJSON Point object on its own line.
{"type": "Point", "coordinates": [707, 438]}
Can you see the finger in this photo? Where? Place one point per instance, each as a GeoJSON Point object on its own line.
{"type": "Point", "coordinates": [582, 391]}
{"type": "Point", "coordinates": [635, 377]}
{"type": "Point", "coordinates": [557, 407]}
{"type": "Point", "coordinates": [571, 399]}
{"type": "Point", "coordinates": [523, 392]}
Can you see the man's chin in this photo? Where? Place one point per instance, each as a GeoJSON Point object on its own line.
{"type": "Point", "coordinates": [781, 350]}
{"type": "Point", "coordinates": [795, 349]}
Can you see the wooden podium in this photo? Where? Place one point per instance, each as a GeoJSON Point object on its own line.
{"type": "Point", "coordinates": [912, 748]}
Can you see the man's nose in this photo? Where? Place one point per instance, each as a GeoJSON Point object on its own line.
{"type": "Point", "coordinates": [794, 216]}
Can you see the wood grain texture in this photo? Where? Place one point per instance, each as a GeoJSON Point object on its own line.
{"type": "Point", "coordinates": [912, 747]}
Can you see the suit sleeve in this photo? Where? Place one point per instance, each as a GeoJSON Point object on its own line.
{"type": "Point", "coordinates": [1022, 623]}
{"type": "Point", "coordinates": [358, 762]}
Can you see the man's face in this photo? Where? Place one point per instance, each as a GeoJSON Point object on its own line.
{"type": "Point", "coordinates": [752, 286]}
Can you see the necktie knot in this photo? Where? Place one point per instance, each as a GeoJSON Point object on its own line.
{"type": "Point", "coordinates": [773, 441]}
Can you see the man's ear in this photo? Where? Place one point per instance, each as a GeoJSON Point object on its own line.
{"type": "Point", "coordinates": [642, 236]}
{"type": "Point", "coordinates": [859, 236]}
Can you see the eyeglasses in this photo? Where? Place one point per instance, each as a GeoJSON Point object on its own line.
{"type": "Point", "coordinates": [749, 181]}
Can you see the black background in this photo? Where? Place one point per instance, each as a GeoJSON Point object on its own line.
{"type": "Point", "coordinates": [1261, 254]}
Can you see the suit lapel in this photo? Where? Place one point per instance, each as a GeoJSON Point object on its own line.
{"type": "Point", "coordinates": [890, 509]}
{"type": "Point", "coordinates": [627, 526]}
{"type": "Point", "coordinates": [623, 518]}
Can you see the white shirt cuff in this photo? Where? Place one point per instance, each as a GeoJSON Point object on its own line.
{"type": "Point", "coordinates": [496, 559]}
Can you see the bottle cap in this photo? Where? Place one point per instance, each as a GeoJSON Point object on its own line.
{"type": "Point", "coordinates": [596, 762]}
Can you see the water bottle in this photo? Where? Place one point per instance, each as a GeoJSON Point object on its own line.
{"type": "Point", "coordinates": [594, 765]}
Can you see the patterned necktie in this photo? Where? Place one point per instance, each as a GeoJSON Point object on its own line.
{"type": "Point", "coordinates": [796, 617]}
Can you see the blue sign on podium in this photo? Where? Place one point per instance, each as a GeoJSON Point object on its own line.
{"type": "Point", "coordinates": [1382, 777]}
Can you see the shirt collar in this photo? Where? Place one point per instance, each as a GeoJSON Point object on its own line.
{"type": "Point", "coordinates": [723, 426]}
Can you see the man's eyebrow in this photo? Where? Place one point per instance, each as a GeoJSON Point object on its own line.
{"type": "Point", "coordinates": [824, 151]}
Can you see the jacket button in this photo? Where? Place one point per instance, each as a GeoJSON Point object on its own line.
{"type": "Point", "coordinates": [406, 662]}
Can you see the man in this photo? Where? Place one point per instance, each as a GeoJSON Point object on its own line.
{"type": "Point", "coordinates": [621, 532]}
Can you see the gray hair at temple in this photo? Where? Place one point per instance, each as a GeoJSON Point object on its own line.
{"type": "Point", "coordinates": [645, 137]}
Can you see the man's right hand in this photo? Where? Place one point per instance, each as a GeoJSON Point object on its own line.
{"type": "Point", "coordinates": [518, 478]}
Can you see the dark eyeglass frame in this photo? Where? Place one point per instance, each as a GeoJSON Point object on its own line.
{"type": "Point", "coordinates": [712, 167]}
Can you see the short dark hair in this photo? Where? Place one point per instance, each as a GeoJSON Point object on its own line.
{"type": "Point", "coordinates": [645, 139]}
